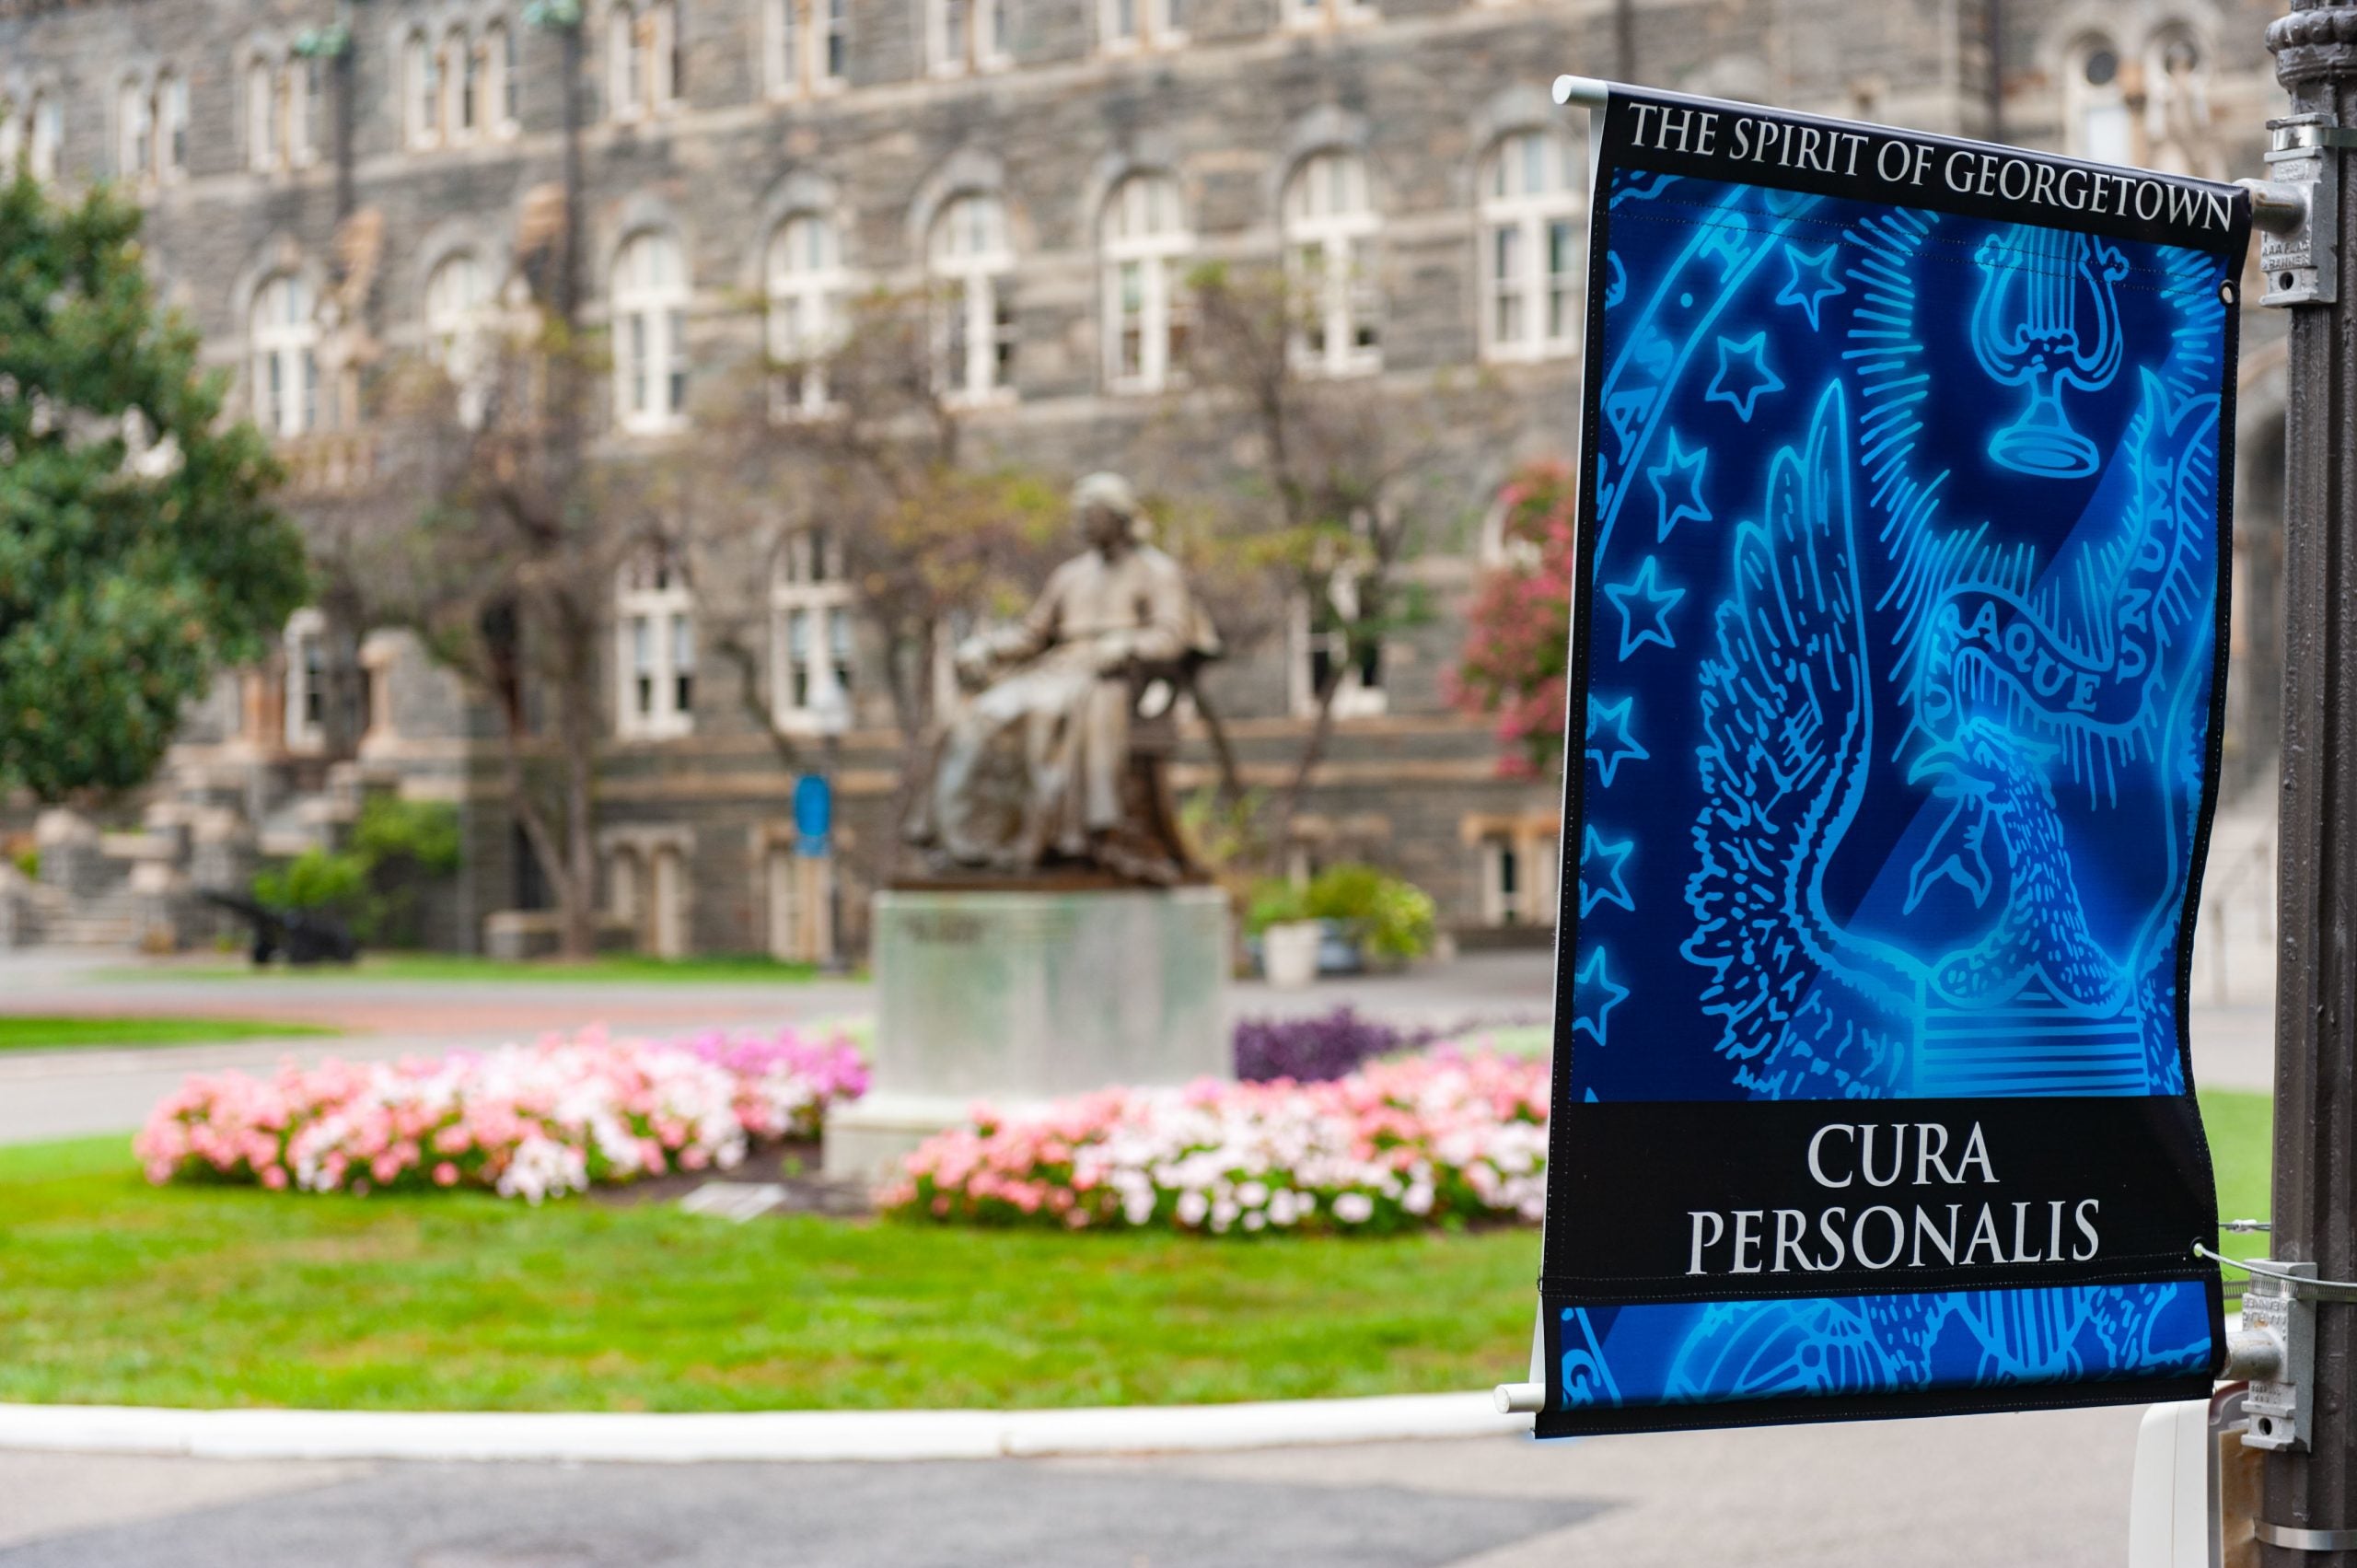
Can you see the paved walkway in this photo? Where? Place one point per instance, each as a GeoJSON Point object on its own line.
{"type": "Point", "coordinates": [69, 1094]}
{"type": "Point", "coordinates": [2050, 1489]}
{"type": "Point", "coordinates": [72, 1093]}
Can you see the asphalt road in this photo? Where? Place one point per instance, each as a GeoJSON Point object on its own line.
{"type": "Point", "coordinates": [68, 1094]}
{"type": "Point", "coordinates": [1996, 1490]}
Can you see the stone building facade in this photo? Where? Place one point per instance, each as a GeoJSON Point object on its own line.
{"type": "Point", "coordinates": [322, 175]}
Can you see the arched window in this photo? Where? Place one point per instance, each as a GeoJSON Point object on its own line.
{"type": "Point", "coordinates": [461, 88]}
{"type": "Point", "coordinates": [1329, 231]}
{"type": "Point", "coordinates": [808, 44]}
{"type": "Point", "coordinates": [1126, 26]}
{"type": "Point", "coordinates": [305, 690]}
{"type": "Point", "coordinates": [500, 62]}
{"type": "Point", "coordinates": [968, 35]}
{"type": "Point", "coordinates": [2096, 122]}
{"type": "Point", "coordinates": [641, 58]}
{"type": "Point", "coordinates": [264, 146]}
{"type": "Point", "coordinates": [45, 135]}
{"type": "Point", "coordinates": [625, 63]}
{"type": "Point", "coordinates": [171, 124]}
{"type": "Point", "coordinates": [654, 647]}
{"type": "Point", "coordinates": [650, 299]}
{"type": "Point", "coordinates": [1145, 243]}
{"type": "Point", "coordinates": [286, 112]}
{"type": "Point", "coordinates": [1530, 303]}
{"type": "Point", "coordinates": [457, 317]}
{"type": "Point", "coordinates": [2177, 104]}
{"type": "Point", "coordinates": [806, 288]}
{"type": "Point", "coordinates": [1309, 14]}
{"type": "Point", "coordinates": [974, 336]}
{"type": "Point", "coordinates": [810, 628]}
{"type": "Point", "coordinates": [306, 109]}
{"type": "Point", "coordinates": [456, 297]}
{"type": "Point", "coordinates": [284, 364]}
{"type": "Point", "coordinates": [134, 158]}
{"type": "Point", "coordinates": [420, 92]}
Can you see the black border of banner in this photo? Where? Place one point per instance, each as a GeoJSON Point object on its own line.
{"type": "Point", "coordinates": [1554, 1421]}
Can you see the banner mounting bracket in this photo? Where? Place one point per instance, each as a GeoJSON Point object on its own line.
{"type": "Point", "coordinates": [2296, 210]}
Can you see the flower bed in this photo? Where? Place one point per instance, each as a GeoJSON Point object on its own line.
{"type": "Point", "coordinates": [524, 1121]}
{"type": "Point", "coordinates": [1446, 1138]}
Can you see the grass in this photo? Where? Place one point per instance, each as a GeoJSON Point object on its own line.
{"type": "Point", "coordinates": [2241, 1128]}
{"type": "Point", "coordinates": [445, 967]}
{"type": "Point", "coordinates": [72, 1033]}
{"type": "Point", "coordinates": [112, 1291]}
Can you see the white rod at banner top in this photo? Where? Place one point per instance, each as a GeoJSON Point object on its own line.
{"type": "Point", "coordinates": [1586, 91]}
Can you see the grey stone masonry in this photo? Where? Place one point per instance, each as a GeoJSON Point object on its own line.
{"type": "Point", "coordinates": [282, 143]}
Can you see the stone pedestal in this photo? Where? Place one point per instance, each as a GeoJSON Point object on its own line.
{"type": "Point", "coordinates": [1020, 996]}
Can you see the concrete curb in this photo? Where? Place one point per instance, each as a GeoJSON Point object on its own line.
{"type": "Point", "coordinates": [807, 1436]}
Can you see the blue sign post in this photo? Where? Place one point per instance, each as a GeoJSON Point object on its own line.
{"type": "Point", "coordinates": [1896, 674]}
{"type": "Point", "coordinates": [814, 815]}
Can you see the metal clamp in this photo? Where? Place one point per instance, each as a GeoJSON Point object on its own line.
{"type": "Point", "coordinates": [2291, 1538]}
{"type": "Point", "coordinates": [2297, 210]}
{"type": "Point", "coordinates": [2279, 1401]}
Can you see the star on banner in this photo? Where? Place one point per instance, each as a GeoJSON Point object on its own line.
{"type": "Point", "coordinates": [1607, 859]}
{"type": "Point", "coordinates": [1744, 377]}
{"type": "Point", "coordinates": [1812, 282]}
{"type": "Point", "coordinates": [1594, 995]}
{"type": "Point", "coordinates": [1608, 722]}
{"type": "Point", "coordinates": [1688, 468]}
{"type": "Point", "coordinates": [1652, 606]}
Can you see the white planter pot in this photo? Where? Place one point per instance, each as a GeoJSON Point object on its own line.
{"type": "Point", "coordinates": [1289, 954]}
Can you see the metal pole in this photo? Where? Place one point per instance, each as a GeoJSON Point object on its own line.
{"type": "Point", "coordinates": [2309, 1497]}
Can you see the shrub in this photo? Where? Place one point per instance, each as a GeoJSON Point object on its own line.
{"type": "Point", "coordinates": [317, 879]}
{"type": "Point", "coordinates": [1275, 902]}
{"type": "Point", "coordinates": [372, 884]}
{"type": "Point", "coordinates": [424, 833]}
{"type": "Point", "coordinates": [1313, 1049]}
{"type": "Point", "coordinates": [1393, 918]}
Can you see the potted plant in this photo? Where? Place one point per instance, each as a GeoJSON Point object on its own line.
{"type": "Point", "coordinates": [1288, 935]}
{"type": "Point", "coordinates": [1371, 919]}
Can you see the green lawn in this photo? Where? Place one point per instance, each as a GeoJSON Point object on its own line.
{"type": "Point", "coordinates": [67, 1033]}
{"type": "Point", "coordinates": [111, 1291]}
{"type": "Point", "coordinates": [445, 968]}
{"type": "Point", "coordinates": [2241, 1127]}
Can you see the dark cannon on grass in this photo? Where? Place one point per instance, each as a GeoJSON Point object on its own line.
{"type": "Point", "coordinates": [303, 936]}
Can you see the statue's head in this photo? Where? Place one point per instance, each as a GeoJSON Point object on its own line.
{"type": "Point", "coordinates": [1107, 510]}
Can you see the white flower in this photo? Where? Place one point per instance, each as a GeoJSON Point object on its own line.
{"type": "Point", "coordinates": [1354, 1208]}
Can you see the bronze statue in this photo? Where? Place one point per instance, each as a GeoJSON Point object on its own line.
{"type": "Point", "coordinates": [1055, 758]}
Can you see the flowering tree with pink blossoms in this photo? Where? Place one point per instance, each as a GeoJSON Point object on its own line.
{"type": "Point", "coordinates": [1516, 664]}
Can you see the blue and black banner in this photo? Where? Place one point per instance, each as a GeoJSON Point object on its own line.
{"type": "Point", "coordinates": [1897, 668]}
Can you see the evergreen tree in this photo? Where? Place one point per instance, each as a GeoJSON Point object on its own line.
{"type": "Point", "coordinates": [139, 552]}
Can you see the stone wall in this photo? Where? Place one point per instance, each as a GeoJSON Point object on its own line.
{"type": "Point", "coordinates": [1422, 88]}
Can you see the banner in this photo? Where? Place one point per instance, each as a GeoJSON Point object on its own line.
{"type": "Point", "coordinates": [1898, 660]}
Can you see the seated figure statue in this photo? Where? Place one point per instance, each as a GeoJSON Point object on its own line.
{"type": "Point", "coordinates": [1054, 759]}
